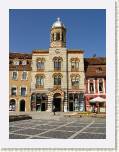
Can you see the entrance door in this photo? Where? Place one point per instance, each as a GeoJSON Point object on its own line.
{"type": "Point", "coordinates": [57, 101]}
{"type": "Point", "coordinates": [70, 106]}
{"type": "Point", "coordinates": [43, 107]}
{"type": "Point", "coordinates": [22, 105]}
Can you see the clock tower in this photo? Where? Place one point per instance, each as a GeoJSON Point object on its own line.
{"type": "Point", "coordinates": [58, 35]}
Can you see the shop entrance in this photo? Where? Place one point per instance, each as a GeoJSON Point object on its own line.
{"type": "Point", "coordinates": [71, 106]}
{"type": "Point", "coordinates": [22, 105]}
{"type": "Point", "coordinates": [43, 107]}
{"type": "Point", "coordinates": [57, 101]}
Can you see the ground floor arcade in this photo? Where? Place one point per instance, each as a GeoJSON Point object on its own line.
{"type": "Point", "coordinates": [46, 101]}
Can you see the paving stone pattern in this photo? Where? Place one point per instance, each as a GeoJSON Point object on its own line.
{"type": "Point", "coordinates": [76, 128]}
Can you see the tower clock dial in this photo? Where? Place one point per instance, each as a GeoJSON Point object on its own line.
{"type": "Point", "coordinates": [57, 51]}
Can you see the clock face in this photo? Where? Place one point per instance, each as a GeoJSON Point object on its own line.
{"type": "Point", "coordinates": [57, 51]}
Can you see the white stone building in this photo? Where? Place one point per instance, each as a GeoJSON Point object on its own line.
{"type": "Point", "coordinates": [57, 75]}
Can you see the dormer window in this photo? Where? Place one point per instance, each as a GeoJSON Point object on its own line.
{"type": "Point", "coordinates": [16, 62]}
{"type": "Point", "coordinates": [24, 62]}
{"type": "Point", "coordinates": [99, 70]}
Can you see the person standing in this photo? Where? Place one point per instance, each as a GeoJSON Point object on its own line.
{"type": "Point", "coordinates": [54, 109]}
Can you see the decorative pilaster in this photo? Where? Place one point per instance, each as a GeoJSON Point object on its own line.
{"type": "Point", "coordinates": [65, 102]}
{"type": "Point", "coordinates": [49, 107]}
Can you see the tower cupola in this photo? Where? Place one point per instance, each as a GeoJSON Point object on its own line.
{"type": "Point", "coordinates": [58, 34]}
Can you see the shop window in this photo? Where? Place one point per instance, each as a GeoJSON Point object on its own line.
{"type": "Point", "coordinates": [71, 97]}
{"type": "Point", "coordinates": [12, 105]}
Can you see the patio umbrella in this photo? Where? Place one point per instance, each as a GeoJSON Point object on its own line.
{"type": "Point", "coordinates": [97, 99]}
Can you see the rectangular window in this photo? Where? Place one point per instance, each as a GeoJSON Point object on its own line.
{"type": "Point", "coordinates": [24, 75]}
{"type": "Point", "coordinates": [14, 76]}
{"type": "Point", "coordinates": [91, 87]}
{"type": "Point", "coordinates": [73, 65]}
{"type": "Point", "coordinates": [75, 82]}
{"type": "Point", "coordinates": [101, 86]}
{"type": "Point", "coordinates": [13, 91]}
{"type": "Point", "coordinates": [23, 91]}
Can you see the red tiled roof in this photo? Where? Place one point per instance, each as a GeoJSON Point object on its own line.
{"type": "Point", "coordinates": [20, 56]}
{"type": "Point", "coordinates": [95, 67]}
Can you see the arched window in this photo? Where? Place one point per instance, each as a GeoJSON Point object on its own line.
{"type": "Point", "coordinates": [75, 81]}
{"type": "Point", "coordinates": [12, 105]}
{"type": "Point", "coordinates": [57, 80]}
{"type": "Point", "coordinates": [74, 64]}
{"type": "Point", "coordinates": [52, 37]}
{"type": "Point", "coordinates": [39, 81]}
{"type": "Point", "coordinates": [57, 36]}
{"type": "Point", "coordinates": [57, 63]}
{"type": "Point", "coordinates": [40, 64]}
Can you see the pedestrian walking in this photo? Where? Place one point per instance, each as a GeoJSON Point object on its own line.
{"type": "Point", "coordinates": [54, 109]}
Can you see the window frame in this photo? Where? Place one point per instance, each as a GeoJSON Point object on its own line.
{"type": "Point", "coordinates": [22, 87]}
{"type": "Point", "coordinates": [15, 91]}
{"type": "Point", "coordinates": [26, 75]}
{"type": "Point", "coordinates": [13, 75]}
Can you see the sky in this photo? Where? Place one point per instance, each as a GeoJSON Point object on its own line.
{"type": "Point", "coordinates": [29, 29]}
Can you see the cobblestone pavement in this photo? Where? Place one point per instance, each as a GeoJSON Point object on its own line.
{"type": "Point", "coordinates": [65, 128]}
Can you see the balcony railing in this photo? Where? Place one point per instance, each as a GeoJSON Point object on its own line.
{"type": "Point", "coordinates": [39, 86]}
{"type": "Point", "coordinates": [74, 69]}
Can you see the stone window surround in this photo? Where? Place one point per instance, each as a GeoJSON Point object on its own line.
{"type": "Point", "coordinates": [14, 86]}
{"type": "Point", "coordinates": [17, 75]}
{"type": "Point", "coordinates": [23, 86]}
{"type": "Point", "coordinates": [26, 76]}
{"type": "Point", "coordinates": [76, 61]}
{"type": "Point", "coordinates": [93, 85]}
{"type": "Point", "coordinates": [75, 77]}
{"type": "Point", "coordinates": [103, 85]}
{"type": "Point", "coordinates": [40, 75]}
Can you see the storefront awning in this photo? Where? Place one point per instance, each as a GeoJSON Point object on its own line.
{"type": "Point", "coordinates": [97, 99]}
